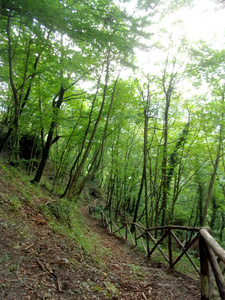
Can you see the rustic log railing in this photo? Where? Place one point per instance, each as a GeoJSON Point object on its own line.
{"type": "Point", "coordinates": [209, 250]}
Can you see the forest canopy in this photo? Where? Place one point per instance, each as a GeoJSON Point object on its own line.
{"type": "Point", "coordinates": [75, 100]}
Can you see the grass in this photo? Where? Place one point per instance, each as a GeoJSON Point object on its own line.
{"type": "Point", "coordinates": [66, 219]}
{"type": "Point", "coordinates": [63, 217]}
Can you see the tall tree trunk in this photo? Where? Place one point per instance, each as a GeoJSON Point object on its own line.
{"type": "Point", "coordinates": [93, 170]}
{"type": "Point", "coordinates": [213, 175]}
{"type": "Point", "coordinates": [19, 100]}
{"type": "Point", "coordinates": [87, 150]}
{"type": "Point", "coordinates": [210, 187]}
{"type": "Point", "coordinates": [84, 139]}
{"type": "Point", "coordinates": [15, 124]}
{"type": "Point", "coordinates": [168, 95]}
{"type": "Point", "coordinates": [57, 175]}
{"type": "Point", "coordinates": [56, 106]}
{"type": "Point", "coordinates": [146, 115]}
{"type": "Point", "coordinates": [138, 201]}
{"type": "Point", "coordinates": [144, 172]}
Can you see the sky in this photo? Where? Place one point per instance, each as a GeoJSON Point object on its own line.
{"type": "Point", "coordinates": [204, 21]}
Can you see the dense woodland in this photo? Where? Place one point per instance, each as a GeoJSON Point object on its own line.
{"type": "Point", "coordinates": [72, 93]}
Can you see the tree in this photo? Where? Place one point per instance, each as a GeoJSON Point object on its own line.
{"type": "Point", "coordinates": [144, 184]}
{"type": "Point", "coordinates": [107, 29]}
{"type": "Point", "coordinates": [214, 77]}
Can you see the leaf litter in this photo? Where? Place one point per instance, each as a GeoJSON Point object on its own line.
{"type": "Point", "coordinates": [38, 263]}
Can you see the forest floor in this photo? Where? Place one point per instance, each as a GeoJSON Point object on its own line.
{"type": "Point", "coordinates": [36, 262]}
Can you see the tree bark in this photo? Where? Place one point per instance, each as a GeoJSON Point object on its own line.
{"type": "Point", "coordinates": [168, 93]}
{"type": "Point", "coordinates": [87, 150]}
{"type": "Point", "coordinates": [56, 106]}
{"type": "Point", "coordinates": [93, 170]}
{"type": "Point", "coordinates": [15, 123]}
{"type": "Point", "coordinates": [19, 100]}
{"type": "Point", "coordinates": [83, 141]}
{"type": "Point", "coordinates": [213, 175]}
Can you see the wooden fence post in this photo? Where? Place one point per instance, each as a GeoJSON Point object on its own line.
{"type": "Point", "coordinates": [204, 270]}
{"type": "Point", "coordinates": [208, 248]}
{"type": "Point", "coordinates": [170, 248]}
{"type": "Point", "coordinates": [217, 272]}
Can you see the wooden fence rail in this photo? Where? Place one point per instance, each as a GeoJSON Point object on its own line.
{"type": "Point", "coordinates": [209, 250]}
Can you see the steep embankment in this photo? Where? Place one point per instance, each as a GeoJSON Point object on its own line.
{"type": "Point", "coordinates": [50, 250]}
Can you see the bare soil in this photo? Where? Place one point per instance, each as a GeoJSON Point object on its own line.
{"type": "Point", "coordinates": [37, 263]}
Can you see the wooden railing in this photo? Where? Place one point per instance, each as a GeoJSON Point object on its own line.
{"type": "Point", "coordinates": [209, 250]}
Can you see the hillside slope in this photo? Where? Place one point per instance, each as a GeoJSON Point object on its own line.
{"type": "Point", "coordinates": [50, 249]}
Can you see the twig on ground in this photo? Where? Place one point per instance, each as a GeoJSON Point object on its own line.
{"type": "Point", "coordinates": [28, 247]}
{"type": "Point", "coordinates": [17, 274]}
{"type": "Point", "coordinates": [44, 266]}
{"type": "Point", "coordinates": [143, 295]}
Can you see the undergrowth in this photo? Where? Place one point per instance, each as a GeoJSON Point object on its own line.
{"type": "Point", "coordinates": [62, 216]}
{"type": "Point", "coordinates": [66, 219]}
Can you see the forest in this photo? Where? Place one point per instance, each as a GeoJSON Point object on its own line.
{"type": "Point", "coordinates": [74, 99]}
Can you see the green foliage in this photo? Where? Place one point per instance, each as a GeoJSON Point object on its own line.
{"type": "Point", "coordinates": [79, 54]}
{"type": "Point", "coordinates": [110, 291]}
{"type": "Point", "coordinates": [66, 219]}
{"type": "Point", "coordinates": [4, 259]}
{"type": "Point", "coordinates": [15, 203]}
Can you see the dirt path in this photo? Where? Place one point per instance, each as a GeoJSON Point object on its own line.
{"type": "Point", "coordinates": [37, 263]}
{"type": "Point", "coordinates": [133, 274]}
